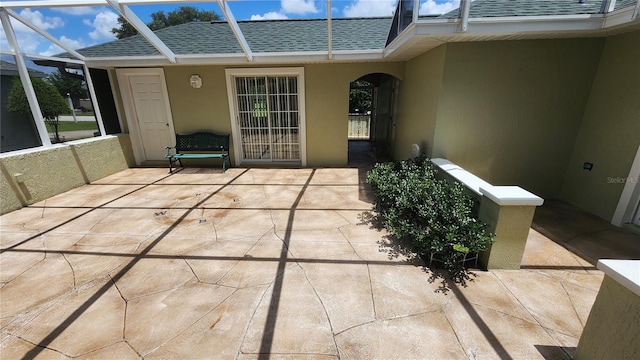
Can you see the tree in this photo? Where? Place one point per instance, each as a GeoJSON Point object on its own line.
{"type": "Point", "coordinates": [360, 97]}
{"type": "Point", "coordinates": [67, 84]}
{"type": "Point", "coordinates": [52, 104]}
{"type": "Point", "coordinates": [159, 20]}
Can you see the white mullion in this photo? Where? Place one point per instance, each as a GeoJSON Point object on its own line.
{"type": "Point", "coordinates": [267, 93]}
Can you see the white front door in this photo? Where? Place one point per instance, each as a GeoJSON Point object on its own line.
{"type": "Point", "coordinates": [148, 112]}
{"type": "Point", "coordinates": [636, 218]}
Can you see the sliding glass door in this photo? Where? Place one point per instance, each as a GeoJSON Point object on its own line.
{"type": "Point", "coordinates": [268, 118]}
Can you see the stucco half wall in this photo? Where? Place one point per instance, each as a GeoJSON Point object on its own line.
{"type": "Point", "coordinates": [30, 176]}
{"type": "Point", "coordinates": [326, 103]}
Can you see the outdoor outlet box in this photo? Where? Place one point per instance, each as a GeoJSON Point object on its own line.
{"type": "Point", "coordinates": [19, 177]}
{"type": "Point", "coordinates": [587, 166]}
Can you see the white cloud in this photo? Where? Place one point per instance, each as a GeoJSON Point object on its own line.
{"type": "Point", "coordinates": [369, 8]}
{"type": "Point", "coordinates": [53, 49]}
{"type": "Point", "coordinates": [272, 15]}
{"type": "Point", "coordinates": [77, 10]}
{"type": "Point", "coordinates": [38, 20]}
{"type": "Point", "coordinates": [103, 23]}
{"type": "Point", "coordinates": [300, 7]}
{"type": "Point", "coordinates": [431, 7]}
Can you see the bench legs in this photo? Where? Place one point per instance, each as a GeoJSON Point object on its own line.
{"type": "Point", "coordinates": [171, 162]}
{"type": "Point", "coordinates": [178, 160]}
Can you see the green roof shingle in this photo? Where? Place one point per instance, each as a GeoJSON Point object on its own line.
{"type": "Point", "coordinates": [300, 35]}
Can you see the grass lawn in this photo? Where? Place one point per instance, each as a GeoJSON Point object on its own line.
{"type": "Point", "coordinates": [72, 126]}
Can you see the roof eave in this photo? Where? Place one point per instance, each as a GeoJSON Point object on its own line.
{"type": "Point", "coordinates": [237, 58]}
{"type": "Point", "coordinates": [439, 31]}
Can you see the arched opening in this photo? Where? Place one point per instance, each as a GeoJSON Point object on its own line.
{"type": "Point", "coordinates": [372, 112]}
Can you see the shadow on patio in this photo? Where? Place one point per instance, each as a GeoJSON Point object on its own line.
{"type": "Point", "coordinates": [259, 263]}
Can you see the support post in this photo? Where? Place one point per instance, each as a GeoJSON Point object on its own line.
{"type": "Point", "coordinates": [509, 212]}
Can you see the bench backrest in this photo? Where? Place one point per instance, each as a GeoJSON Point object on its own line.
{"type": "Point", "coordinates": [202, 141]}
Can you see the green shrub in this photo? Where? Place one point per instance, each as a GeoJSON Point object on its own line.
{"type": "Point", "coordinates": [434, 215]}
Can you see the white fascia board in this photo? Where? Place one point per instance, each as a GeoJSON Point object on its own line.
{"type": "Point", "coordinates": [237, 58]}
{"type": "Point", "coordinates": [620, 17]}
{"type": "Point", "coordinates": [143, 29]}
{"type": "Point", "coordinates": [404, 36]}
{"type": "Point", "coordinates": [45, 34]}
{"type": "Point", "coordinates": [534, 24]}
{"type": "Point", "coordinates": [510, 25]}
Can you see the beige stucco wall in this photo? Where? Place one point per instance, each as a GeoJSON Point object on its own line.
{"type": "Point", "coordinates": [612, 330]}
{"type": "Point", "coordinates": [203, 109]}
{"type": "Point", "coordinates": [326, 102]}
{"type": "Point", "coordinates": [418, 100]}
{"type": "Point", "coordinates": [50, 171]}
{"type": "Point", "coordinates": [510, 111]}
{"type": "Point", "coordinates": [609, 135]}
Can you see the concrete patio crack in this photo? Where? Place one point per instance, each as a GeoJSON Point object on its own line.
{"type": "Point", "coordinates": [251, 318]}
{"type": "Point", "coordinates": [190, 268]}
{"type": "Point", "coordinates": [573, 306]}
{"type": "Point", "coordinates": [186, 328]}
{"type": "Point", "coordinates": [537, 322]}
{"type": "Point", "coordinates": [73, 272]}
{"type": "Point", "coordinates": [324, 308]}
{"type": "Point", "coordinates": [373, 298]}
{"type": "Point", "coordinates": [471, 354]}
{"type": "Point", "coordinates": [126, 306]}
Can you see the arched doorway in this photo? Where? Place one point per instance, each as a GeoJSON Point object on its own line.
{"type": "Point", "coordinates": [372, 113]}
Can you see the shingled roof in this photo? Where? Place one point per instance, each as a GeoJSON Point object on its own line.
{"type": "Point", "coordinates": [264, 36]}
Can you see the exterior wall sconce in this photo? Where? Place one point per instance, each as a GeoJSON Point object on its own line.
{"type": "Point", "coordinates": [195, 81]}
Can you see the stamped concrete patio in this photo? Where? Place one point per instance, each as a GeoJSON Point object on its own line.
{"type": "Point", "coordinates": [262, 263]}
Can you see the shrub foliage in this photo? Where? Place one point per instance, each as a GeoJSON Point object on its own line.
{"type": "Point", "coordinates": [434, 215]}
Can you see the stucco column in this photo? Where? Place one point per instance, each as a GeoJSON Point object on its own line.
{"type": "Point", "coordinates": [508, 210]}
{"type": "Point", "coordinates": [612, 330]}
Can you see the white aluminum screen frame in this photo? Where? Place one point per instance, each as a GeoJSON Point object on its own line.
{"type": "Point", "coordinates": [234, 106]}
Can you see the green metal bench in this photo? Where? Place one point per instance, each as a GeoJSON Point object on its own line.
{"type": "Point", "coordinates": [199, 145]}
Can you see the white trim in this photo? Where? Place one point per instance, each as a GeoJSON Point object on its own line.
{"type": "Point", "coordinates": [231, 95]}
{"type": "Point", "coordinates": [630, 197]}
{"type": "Point", "coordinates": [238, 58]}
{"type": "Point", "coordinates": [128, 103]}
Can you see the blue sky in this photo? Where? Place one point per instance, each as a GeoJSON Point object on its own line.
{"type": "Point", "coordinates": [85, 26]}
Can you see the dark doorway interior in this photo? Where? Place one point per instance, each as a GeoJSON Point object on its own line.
{"type": "Point", "coordinates": [372, 106]}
